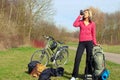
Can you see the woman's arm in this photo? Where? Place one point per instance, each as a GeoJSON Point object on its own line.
{"type": "Point", "coordinates": [77, 22]}
{"type": "Point", "coordinates": [94, 33]}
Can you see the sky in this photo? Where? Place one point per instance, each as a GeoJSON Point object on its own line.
{"type": "Point", "coordinates": [66, 11]}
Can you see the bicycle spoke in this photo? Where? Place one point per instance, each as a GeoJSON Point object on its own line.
{"type": "Point", "coordinates": [40, 56]}
{"type": "Point", "coordinates": [61, 57]}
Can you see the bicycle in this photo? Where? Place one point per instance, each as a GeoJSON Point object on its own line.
{"type": "Point", "coordinates": [54, 51]}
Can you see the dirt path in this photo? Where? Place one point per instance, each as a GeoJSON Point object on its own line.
{"type": "Point", "coordinates": [112, 57]}
{"type": "Point", "coordinates": [109, 56]}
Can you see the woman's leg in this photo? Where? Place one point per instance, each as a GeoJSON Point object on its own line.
{"type": "Point", "coordinates": [89, 47]}
{"type": "Point", "coordinates": [79, 53]}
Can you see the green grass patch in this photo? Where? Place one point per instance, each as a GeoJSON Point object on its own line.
{"type": "Point", "coordinates": [13, 65]}
{"type": "Point", "coordinates": [73, 44]}
{"type": "Point", "coordinates": [106, 48]}
{"type": "Point", "coordinates": [112, 48]}
{"type": "Point", "coordinates": [114, 70]}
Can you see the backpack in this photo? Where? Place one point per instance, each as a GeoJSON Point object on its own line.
{"type": "Point", "coordinates": [37, 70]}
{"type": "Point", "coordinates": [98, 61]}
{"type": "Point", "coordinates": [31, 66]}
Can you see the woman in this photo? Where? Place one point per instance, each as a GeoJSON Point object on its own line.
{"type": "Point", "coordinates": [87, 38]}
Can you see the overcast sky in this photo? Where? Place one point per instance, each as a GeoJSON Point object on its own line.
{"type": "Point", "coordinates": [68, 10]}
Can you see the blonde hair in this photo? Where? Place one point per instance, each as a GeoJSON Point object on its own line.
{"type": "Point", "coordinates": [90, 14]}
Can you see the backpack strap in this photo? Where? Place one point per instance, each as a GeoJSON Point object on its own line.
{"type": "Point", "coordinates": [104, 60]}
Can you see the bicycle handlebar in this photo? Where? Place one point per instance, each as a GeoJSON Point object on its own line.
{"type": "Point", "coordinates": [48, 37]}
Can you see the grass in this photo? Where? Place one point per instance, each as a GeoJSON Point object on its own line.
{"type": "Point", "coordinates": [13, 65]}
{"type": "Point", "coordinates": [112, 48]}
{"type": "Point", "coordinates": [73, 44]}
{"type": "Point", "coordinates": [106, 48]}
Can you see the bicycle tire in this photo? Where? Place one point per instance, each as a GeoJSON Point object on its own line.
{"type": "Point", "coordinates": [61, 57]}
{"type": "Point", "coordinates": [41, 56]}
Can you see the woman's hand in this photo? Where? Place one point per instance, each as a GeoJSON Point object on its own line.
{"type": "Point", "coordinates": [81, 16]}
{"type": "Point", "coordinates": [97, 45]}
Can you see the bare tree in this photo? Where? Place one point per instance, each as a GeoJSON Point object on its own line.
{"type": "Point", "coordinates": [18, 17]}
{"type": "Point", "coordinates": [38, 10]}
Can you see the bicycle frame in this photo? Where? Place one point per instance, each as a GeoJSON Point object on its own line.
{"type": "Point", "coordinates": [47, 47]}
{"type": "Point", "coordinates": [54, 52]}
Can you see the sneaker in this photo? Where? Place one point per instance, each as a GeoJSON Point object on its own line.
{"type": "Point", "coordinates": [73, 78]}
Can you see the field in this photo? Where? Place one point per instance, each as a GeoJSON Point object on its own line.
{"type": "Point", "coordinates": [13, 65]}
{"type": "Point", "coordinates": [106, 48]}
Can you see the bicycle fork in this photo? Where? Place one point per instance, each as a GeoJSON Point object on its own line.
{"type": "Point", "coordinates": [55, 57]}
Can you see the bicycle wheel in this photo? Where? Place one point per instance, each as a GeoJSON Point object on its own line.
{"type": "Point", "coordinates": [61, 57]}
{"type": "Point", "coordinates": [41, 56]}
